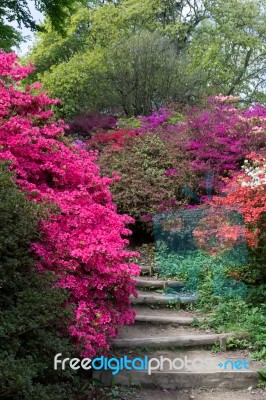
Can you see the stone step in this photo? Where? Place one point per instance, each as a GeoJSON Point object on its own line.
{"type": "Point", "coordinates": [200, 393]}
{"type": "Point", "coordinates": [187, 370]}
{"type": "Point", "coordinates": [183, 380]}
{"type": "Point", "coordinates": [146, 269]}
{"type": "Point", "coordinates": [149, 282]}
{"type": "Point", "coordinates": [176, 340]}
{"type": "Point", "coordinates": [166, 316]}
{"type": "Point", "coordinates": [158, 298]}
{"type": "Point", "coordinates": [161, 319]}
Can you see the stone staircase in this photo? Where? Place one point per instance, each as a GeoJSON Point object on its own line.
{"type": "Point", "coordinates": [171, 333]}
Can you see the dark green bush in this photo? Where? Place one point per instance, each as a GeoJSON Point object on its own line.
{"type": "Point", "coordinates": [147, 186]}
{"type": "Point", "coordinates": [33, 323]}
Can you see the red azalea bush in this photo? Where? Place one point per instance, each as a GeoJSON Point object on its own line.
{"type": "Point", "coordinates": [247, 189]}
{"type": "Point", "coordinates": [114, 140]}
{"type": "Point", "coordinates": [118, 138]}
{"type": "Point", "coordinates": [216, 233]}
{"type": "Point", "coordinates": [83, 240]}
{"type": "Point", "coordinates": [247, 192]}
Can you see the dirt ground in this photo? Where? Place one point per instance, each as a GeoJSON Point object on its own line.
{"type": "Point", "coordinates": [197, 394]}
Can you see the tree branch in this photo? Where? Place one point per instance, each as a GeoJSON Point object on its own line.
{"type": "Point", "coordinates": [241, 74]}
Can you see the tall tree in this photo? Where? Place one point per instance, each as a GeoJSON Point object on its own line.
{"type": "Point", "coordinates": [230, 46]}
{"type": "Point", "coordinates": [216, 47]}
{"type": "Point", "coordinates": [143, 72]}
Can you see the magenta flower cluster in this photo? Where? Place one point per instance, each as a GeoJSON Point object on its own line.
{"type": "Point", "coordinates": [222, 136]}
{"type": "Point", "coordinates": [154, 121]}
{"type": "Point", "coordinates": [83, 238]}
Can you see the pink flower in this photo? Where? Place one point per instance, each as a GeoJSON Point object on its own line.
{"type": "Point", "coordinates": [83, 240]}
{"type": "Point", "coordinates": [170, 172]}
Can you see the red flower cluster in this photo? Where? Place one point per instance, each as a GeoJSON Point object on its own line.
{"type": "Point", "coordinates": [250, 198]}
{"type": "Point", "coordinates": [113, 139]}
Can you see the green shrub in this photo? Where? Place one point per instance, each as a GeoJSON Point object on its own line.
{"type": "Point", "coordinates": [145, 187]}
{"type": "Point", "coordinates": [240, 315]}
{"type": "Point", "coordinates": [129, 123]}
{"type": "Point", "coordinates": [32, 319]}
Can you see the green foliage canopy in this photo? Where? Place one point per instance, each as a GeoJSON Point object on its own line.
{"type": "Point", "coordinates": [18, 10]}
{"type": "Point", "coordinates": [210, 47]}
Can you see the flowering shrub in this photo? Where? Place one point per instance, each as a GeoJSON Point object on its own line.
{"type": "Point", "coordinates": [154, 121]}
{"type": "Point", "coordinates": [215, 234]}
{"type": "Point", "coordinates": [211, 141]}
{"type": "Point", "coordinates": [222, 135]}
{"type": "Point", "coordinates": [119, 137]}
{"type": "Point", "coordinates": [255, 171]}
{"type": "Point", "coordinates": [33, 317]}
{"type": "Point", "coordinates": [152, 176]}
{"type": "Point", "coordinates": [247, 190]}
{"type": "Point", "coordinates": [83, 239]}
{"type": "Point", "coordinates": [85, 125]}
{"type": "Point", "coordinates": [114, 139]}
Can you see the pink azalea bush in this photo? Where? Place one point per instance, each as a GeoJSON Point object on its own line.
{"type": "Point", "coordinates": [222, 135]}
{"type": "Point", "coordinates": [83, 239]}
{"type": "Point", "coordinates": [154, 121]}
